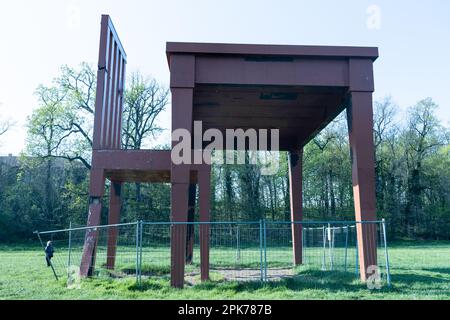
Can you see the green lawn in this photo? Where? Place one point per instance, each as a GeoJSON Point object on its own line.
{"type": "Point", "coordinates": [418, 270]}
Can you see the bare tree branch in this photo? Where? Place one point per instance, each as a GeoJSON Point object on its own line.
{"type": "Point", "coordinates": [144, 101]}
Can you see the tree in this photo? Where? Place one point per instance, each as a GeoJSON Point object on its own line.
{"type": "Point", "coordinates": [4, 127]}
{"type": "Point", "coordinates": [46, 137]}
{"type": "Point", "coordinates": [5, 124]}
{"type": "Point", "coordinates": [67, 110]}
{"type": "Point", "coordinates": [423, 137]}
{"type": "Point", "coordinates": [386, 158]}
{"type": "Point", "coordinates": [326, 172]}
{"type": "Point", "coordinates": [79, 87]}
{"type": "Point", "coordinates": [45, 132]}
{"type": "Point", "coordinates": [144, 101]}
{"type": "Point", "coordinates": [384, 114]}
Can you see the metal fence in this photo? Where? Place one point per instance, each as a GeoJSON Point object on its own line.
{"type": "Point", "coordinates": [238, 251]}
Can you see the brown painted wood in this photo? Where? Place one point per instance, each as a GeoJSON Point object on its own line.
{"type": "Point", "coordinates": [113, 218]}
{"type": "Point", "coordinates": [360, 123]}
{"type": "Point", "coordinates": [110, 83]}
{"type": "Point", "coordinates": [157, 160]}
{"type": "Point", "coordinates": [88, 258]}
{"type": "Point", "coordinates": [298, 72]}
{"type": "Point", "coordinates": [182, 98]}
{"type": "Point", "coordinates": [295, 193]}
{"type": "Point", "coordinates": [179, 201]}
{"type": "Point", "coordinates": [271, 50]}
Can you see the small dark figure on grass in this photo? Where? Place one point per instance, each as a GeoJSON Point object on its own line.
{"type": "Point", "coordinates": [49, 253]}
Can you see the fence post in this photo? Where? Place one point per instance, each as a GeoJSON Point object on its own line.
{"type": "Point", "coordinates": [386, 255]}
{"type": "Point", "coordinates": [238, 247]}
{"type": "Point", "coordinates": [357, 253]}
{"type": "Point", "coordinates": [140, 250]}
{"type": "Point", "coordinates": [324, 239]}
{"type": "Point", "coordinates": [261, 248]}
{"type": "Point", "coordinates": [303, 245]}
{"type": "Point", "coordinates": [265, 250]}
{"type": "Point", "coordinates": [346, 248]}
{"type": "Point", "coordinates": [330, 245]}
{"type": "Point", "coordinates": [137, 252]}
{"type": "Point", "coordinates": [70, 248]}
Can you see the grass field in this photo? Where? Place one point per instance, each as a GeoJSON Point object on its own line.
{"type": "Point", "coordinates": [419, 271]}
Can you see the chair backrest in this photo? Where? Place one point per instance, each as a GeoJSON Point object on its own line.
{"type": "Point", "coordinates": [110, 89]}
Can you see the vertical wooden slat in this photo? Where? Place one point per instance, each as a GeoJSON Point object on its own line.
{"type": "Point", "coordinates": [107, 92]}
{"type": "Point", "coordinates": [111, 97]}
{"type": "Point", "coordinates": [122, 86]}
{"type": "Point", "coordinates": [113, 218]}
{"type": "Point", "coordinates": [295, 192]}
{"type": "Point", "coordinates": [112, 109]}
{"type": "Point", "coordinates": [116, 104]}
{"type": "Point", "coordinates": [101, 87]}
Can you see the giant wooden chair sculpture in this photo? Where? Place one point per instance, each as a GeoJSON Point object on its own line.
{"type": "Point", "coordinates": [296, 89]}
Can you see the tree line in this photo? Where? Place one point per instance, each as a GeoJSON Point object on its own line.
{"type": "Point", "coordinates": [46, 187]}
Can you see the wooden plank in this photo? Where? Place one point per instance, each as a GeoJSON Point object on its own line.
{"type": "Point", "coordinates": [270, 50]}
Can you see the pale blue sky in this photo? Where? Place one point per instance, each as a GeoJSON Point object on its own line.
{"type": "Point", "coordinates": [37, 37]}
